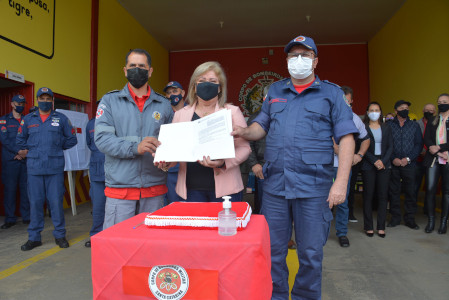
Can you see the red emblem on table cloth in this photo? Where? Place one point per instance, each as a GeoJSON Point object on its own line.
{"type": "Point", "coordinates": [168, 282]}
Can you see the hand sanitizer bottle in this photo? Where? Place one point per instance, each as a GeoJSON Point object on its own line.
{"type": "Point", "coordinates": [227, 219]}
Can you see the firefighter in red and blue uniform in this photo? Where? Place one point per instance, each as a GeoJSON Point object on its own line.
{"type": "Point", "coordinates": [97, 181]}
{"type": "Point", "coordinates": [45, 134]}
{"type": "Point", "coordinates": [299, 117]}
{"type": "Point", "coordinates": [14, 171]}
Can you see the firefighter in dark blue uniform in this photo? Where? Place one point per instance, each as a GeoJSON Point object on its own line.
{"type": "Point", "coordinates": [97, 184]}
{"type": "Point", "coordinates": [14, 165]}
{"type": "Point", "coordinates": [299, 117]}
{"type": "Point", "coordinates": [45, 134]}
{"type": "Point", "coordinates": [175, 93]}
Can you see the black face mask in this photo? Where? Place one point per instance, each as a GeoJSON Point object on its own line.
{"type": "Point", "coordinates": [19, 109]}
{"type": "Point", "coordinates": [428, 115]}
{"type": "Point", "coordinates": [443, 107]}
{"type": "Point", "coordinates": [207, 90]}
{"type": "Point", "coordinates": [137, 77]}
{"type": "Point", "coordinates": [403, 113]}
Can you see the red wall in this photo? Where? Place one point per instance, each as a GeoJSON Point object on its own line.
{"type": "Point", "coordinates": [342, 64]}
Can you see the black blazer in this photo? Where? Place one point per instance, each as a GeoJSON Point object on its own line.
{"type": "Point", "coordinates": [386, 149]}
{"type": "Point", "coordinates": [430, 139]}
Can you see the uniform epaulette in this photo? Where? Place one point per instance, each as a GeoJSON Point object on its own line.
{"type": "Point", "coordinates": [331, 83]}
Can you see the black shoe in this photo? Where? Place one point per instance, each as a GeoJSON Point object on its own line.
{"type": "Point", "coordinates": [443, 226]}
{"type": "Point", "coordinates": [30, 245]}
{"type": "Point", "coordinates": [352, 219]}
{"type": "Point", "coordinates": [344, 241]}
{"type": "Point", "coordinates": [413, 226]}
{"type": "Point", "coordinates": [392, 224]}
{"type": "Point", "coordinates": [369, 234]}
{"type": "Point", "coordinates": [430, 225]}
{"type": "Point", "coordinates": [62, 242]}
{"type": "Point", "coordinates": [87, 244]}
{"type": "Point", "coordinates": [26, 222]}
{"type": "Point", "coordinates": [8, 225]}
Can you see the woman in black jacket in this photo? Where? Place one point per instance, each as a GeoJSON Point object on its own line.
{"type": "Point", "coordinates": [436, 162]}
{"type": "Point", "coordinates": [376, 169]}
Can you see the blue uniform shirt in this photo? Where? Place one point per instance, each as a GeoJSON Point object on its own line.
{"type": "Point", "coordinates": [96, 165]}
{"type": "Point", "coordinates": [299, 148]}
{"type": "Point", "coordinates": [46, 142]}
{"type": "Point", "coordinates": [8, 132]}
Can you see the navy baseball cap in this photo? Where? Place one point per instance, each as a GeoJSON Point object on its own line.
{"type": "Point", "coordinates": [304, 41]}
{"type": "Point", "coordinates": [173, 84]}
{"type": "Point", "coordinates": [44, 90]}
{"type": "Point", "coordinates": [18, 98]}
{"type": "Point", "coordinates": [400, 102]}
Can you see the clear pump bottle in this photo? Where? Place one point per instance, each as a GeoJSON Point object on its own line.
{"type": "Point", "coordinates": [227, 219]}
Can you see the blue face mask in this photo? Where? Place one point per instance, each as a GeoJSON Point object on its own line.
{"type": "Point", "coordinates": [174, 99]}
{"type": "Point", "coordinates": [19, 109]}
{"type": "Point", "coordinates": [45, 106]}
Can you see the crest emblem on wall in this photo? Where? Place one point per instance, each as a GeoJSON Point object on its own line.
{"type": "Point", "coordinates": [251, 93]}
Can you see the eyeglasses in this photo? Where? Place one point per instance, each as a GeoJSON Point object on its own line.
{"type": "Point", "coordinates": [302, 54]}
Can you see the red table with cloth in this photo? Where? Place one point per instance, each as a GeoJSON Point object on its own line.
{"type": "Point", "coordinates": [219, 267]}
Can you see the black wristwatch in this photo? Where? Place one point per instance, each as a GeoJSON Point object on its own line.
{"type": "Point", "coordinates": [361, 155]}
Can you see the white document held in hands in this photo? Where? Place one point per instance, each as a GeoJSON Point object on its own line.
{"type": "Point", "coordinates": [190, 141]}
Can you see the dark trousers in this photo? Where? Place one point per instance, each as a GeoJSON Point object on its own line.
{"type": "Point", "coordinates": [407, 175]}
{"type": "Point", "coordinates": [432, 177]}
{"type": "Point", "coordinates": [258, 196]}
{"type": "Point", "coordinates": [420, 171]}
{"type": "Point", "coordinates": [355, 172]}
{"type": "Point", "coordinates": [371, 179]}
{"type": "Point", "coordinates": [98, 206]}
{"type": "Point", "coordinates": [14, 175]}
{"type": "Point", "coordinates": [172, 179]}
{"type": "Point", "coordinates": [40, 188]}
{"type": "Point", "coordinates": [311, 218]}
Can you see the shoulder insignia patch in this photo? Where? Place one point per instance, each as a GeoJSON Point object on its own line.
{"type": "Point", "coordinates": [2, 121]}
{"type": "Point", "coordinates": [100, 112]}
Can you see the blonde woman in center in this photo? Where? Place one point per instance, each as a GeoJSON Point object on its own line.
{"type": "Point", "coordinates": [208, 180]}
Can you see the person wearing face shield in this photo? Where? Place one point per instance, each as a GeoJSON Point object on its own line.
{"type": "Point", "coordinates": [14, 173]}
{"type": "Point", "coordinates": [299, 117]}
{"type": "Point", "coordinates": [126, 130]}
{"type": "Point", "coordinates": [46, 133]}
{"type": "Point", "coordinates": [407, 145]}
